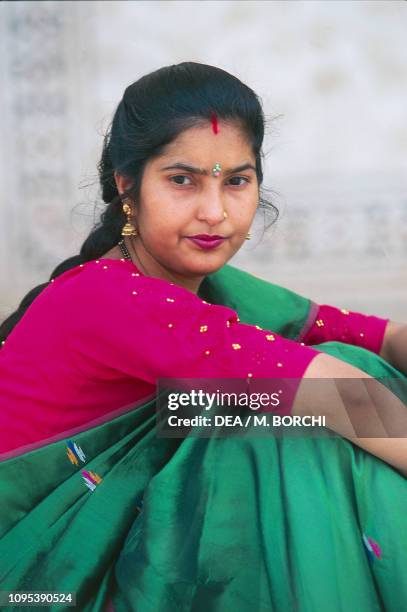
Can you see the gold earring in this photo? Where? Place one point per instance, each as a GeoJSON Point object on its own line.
{"type": "Point", "coordinates": [225, 214]}
{"type": "Point", "coordinates": [129, 229]}
{"type": "Point", "coordinates": [248, 236]}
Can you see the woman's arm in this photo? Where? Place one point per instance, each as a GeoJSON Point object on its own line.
{"type": "Point", "coordinates": [353, 401]}
{"type": "Point", "coordinates": [148, 329]}
{"type": "Point", "coordinates": [394, 347]}
{"type": "Point", "coordinates": [328, 323]}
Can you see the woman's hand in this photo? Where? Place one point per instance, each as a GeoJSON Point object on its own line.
{"type": "Point", "coordinates": [357, 407]}
{"type": "Point", "coordinates": [394, 347]}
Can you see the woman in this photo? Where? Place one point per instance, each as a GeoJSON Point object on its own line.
{"type": "Point", "coordinates": [95, 501]}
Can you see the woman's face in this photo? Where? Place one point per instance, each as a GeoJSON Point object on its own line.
{"type": "Point", "coordinates": [177, 203]}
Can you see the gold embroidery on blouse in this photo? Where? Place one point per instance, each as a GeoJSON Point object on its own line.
{"type": "Point", "coordinates": [236, 346]}
{"type": "Point", "coordinates": [170, 300]}
{"type": "Point", "coordinates": [258, 327]}
{"type": "Point", "coordinates": [270, 337]}
{"type": "Point", "coordinates": [344, 311]}
{"type": "Point", "coordinates": [203, 328]}
{"type": "Point", "coordinates": [319, 322]}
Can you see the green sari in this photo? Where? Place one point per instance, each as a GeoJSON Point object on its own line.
{"type": "Point", "coordinates": [304, 524]}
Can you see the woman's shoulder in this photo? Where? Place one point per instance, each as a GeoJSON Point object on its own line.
{"type": "Point", "coordinates": [104, 297]}
{"type": "Point", "coordinates": [87, 281]}
{"type": "Point", "coordinates": [92, 269]}
{"type": "Point", "coordinates": [115, 284]}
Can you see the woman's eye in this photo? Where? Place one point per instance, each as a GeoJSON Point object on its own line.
{"type": "Point", "coordinates": [239, 178]}
{"type": "Point", "coordinates": [179, 176]}
{"type": "Point", "coordinates": [179, 180]}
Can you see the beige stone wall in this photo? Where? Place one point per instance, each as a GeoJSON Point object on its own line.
{"type": "Point", "coordinates": [335, 73]}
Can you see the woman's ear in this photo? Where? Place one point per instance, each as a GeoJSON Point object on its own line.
{"type": "Point", "coordinates": [123, 183]}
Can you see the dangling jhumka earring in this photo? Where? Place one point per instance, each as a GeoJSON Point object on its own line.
{"type": "Point", "coordinates": [129, 229]}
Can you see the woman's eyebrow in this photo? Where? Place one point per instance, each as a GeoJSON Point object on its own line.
{"type": "Point", "coordinates": [194, 170]}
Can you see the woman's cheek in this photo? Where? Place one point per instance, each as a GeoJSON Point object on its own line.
{"type": "Point", "coordinates": [236, 243]}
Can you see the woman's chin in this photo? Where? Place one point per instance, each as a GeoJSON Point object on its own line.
{"type": "Point", "coordinates": [202, 267]}
{"type": "Point", "coordinates": [201, 262]}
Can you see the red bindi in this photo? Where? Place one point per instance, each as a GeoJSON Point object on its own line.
{"type": "Point", "coordinates": [214, 121]}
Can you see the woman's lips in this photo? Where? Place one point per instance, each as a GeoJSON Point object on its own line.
{"type": "Point", "coordinates": [206, 243]}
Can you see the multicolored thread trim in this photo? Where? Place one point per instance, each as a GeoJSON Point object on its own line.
{"type": "Point", "coordinates": [91, 479]}
{"type": "Point", "coordinates": [74, 453]}
{"type": "Point", "coordinates": [372, 547]}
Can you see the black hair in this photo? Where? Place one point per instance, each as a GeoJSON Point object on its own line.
{"type": "Point", "coordinates": [152, 113]}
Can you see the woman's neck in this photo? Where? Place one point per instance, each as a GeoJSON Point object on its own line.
{"type": "Point", "coordinates": [152, 268]}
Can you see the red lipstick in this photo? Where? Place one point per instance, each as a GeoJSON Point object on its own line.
{"type": "Point", "coordinates": [207, 241]}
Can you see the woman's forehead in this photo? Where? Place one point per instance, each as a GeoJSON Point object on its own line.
{"type": "Point", "coordinates": [205, 128]}
{"type": "Point", "coordinates": [196, 143]}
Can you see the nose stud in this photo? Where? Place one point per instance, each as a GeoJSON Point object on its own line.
{"type": "Point", "coordinates": [216, 169]}
{"type": "Point", "coordinates": [225, 214]}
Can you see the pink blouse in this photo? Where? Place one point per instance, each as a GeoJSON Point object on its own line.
{"type": "Point", "coordinates": [100, 335]}
{"type": "Point", "coordinates": [330, 323]}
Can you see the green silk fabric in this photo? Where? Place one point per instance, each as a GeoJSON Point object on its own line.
{"type": "Point", "coordinates": [257, 301]}
{"type": "Point", "coordinates": [226, 524]}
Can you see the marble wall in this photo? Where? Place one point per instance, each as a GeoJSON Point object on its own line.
{"type": "Point", "coordinates": [333, 80]}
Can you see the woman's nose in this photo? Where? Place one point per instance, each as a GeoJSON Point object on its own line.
{"type": "Point", "coordinates": [211, 208]}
